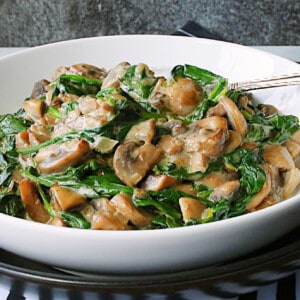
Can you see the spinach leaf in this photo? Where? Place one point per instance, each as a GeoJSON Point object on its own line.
{"type": "Point", "coordinates": [75, 220]}
{"type": "Point", "coordinates": [107, 185]}
{"type": "Point", "coordinates": [166, 203]}
{"type": "Point", "coordinates": [138, 82]}
{"type": "Point", "coordinates": [76, 85]}
{"type": "Point", "coordinates": [10, 125]}
{"type": "Point", "coordinates": [200, 111]}
{"type": "Point", "coordinates": [246, 163]}
{"type": "Point", "coordinates": [11, 204]}
{"type": "Point", "coordinates": [182, 173]}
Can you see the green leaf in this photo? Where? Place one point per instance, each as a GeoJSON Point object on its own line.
{"type": "Point", "coordinates": [11, 204]}
{"type": "Point", "coordinates": [75, 220]}
{"type": "Point", "coordinates": [138, 82]}
{"type": "Point", "coordinates": [76, 85]}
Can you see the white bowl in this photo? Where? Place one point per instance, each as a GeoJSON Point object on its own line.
{"type": "Point", "coordinates": [162, 250]}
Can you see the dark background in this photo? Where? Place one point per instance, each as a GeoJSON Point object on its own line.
{"type": "Point", "coordinates": [35, 22]}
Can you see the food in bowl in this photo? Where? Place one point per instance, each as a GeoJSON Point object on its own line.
{"type": "Point", "coordinates": [125, 149]}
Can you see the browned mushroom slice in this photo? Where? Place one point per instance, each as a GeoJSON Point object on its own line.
{"type": "Point", "coordinates": [226, 191]}
{"type": "Point", "coordinates": [57, 221]}
{"type": "Point", "coordinates": [170, 145]}
{"type": "Point", "coordinates": [126, 207]}
{"type": "Point", "coordinates": [58, 100]}
{"type": "Point", "coordinates": [107, 221]}
{"type": "Point", "coordinates": [263, 193]}
{"type": "Point", "coordinates": [291, 181]}
{"type": "Point", "coordinates": [32, 203]}
{"type": "Point", "coordinates": [65, 197]}
{"type": "Point", "coordinates": [34, 109]}
{"type": "Point", "coordinates": [57, 158]}
{"type": "Point", "coordinates": [265, 203]}
{"type": "Point", "coordinates": [234, 140]}
{"type": "Point", "coordinates": [235, 117]}
{"type": "Point", "coordinates": [39, 88]}
{"type": "Point", "coordinates": [198, 162]}
{"type": "Point", "coordinates": [296, 137]}
{"type": "Point", "coordinates": [211, 143]}
{"type": "Point", "coordinates": [113, 75]}
{"type": "Point", "coordinates": [279, 157]}
{"type": "Point", "coordinates": [215, 179]}
{"type": "Point", "coordinates": [269, 109]}
{"type": "Point", "coordinates": [217, 110]}
{"type": "Point", "coordinates": [207, 135]}
{"type": "Point", "coordinates": [142, 132]}
{"type": "Point", "coordinates": [175, 126]}
{"type": "Point", "coordinates": [191, 208]}
{"type": "Point", "coordinates": [131, 161]}
{"type": "Point", "coordinates": [158, 182]}
{"type": "Point", "coordinates": [186, 188]}
{"type": "Point", "coordinates": [22, 140]}
{"type": "Point", "coordinates": [293, 148]}
{"type": "Point", "coordinates": [185, 95]}
{"type": "Point", "coordinates": [85, 70]}
{"type": "Point", "coordinates": [244, 102]}
{"type": "Point", "coordinates": [213, 123]}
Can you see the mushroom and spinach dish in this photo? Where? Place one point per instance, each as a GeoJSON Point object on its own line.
{"type": "Point", "coordinates": [125, 149]}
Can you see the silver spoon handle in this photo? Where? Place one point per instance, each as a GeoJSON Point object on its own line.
{"type": "Point", "coordinates": [263, 83]}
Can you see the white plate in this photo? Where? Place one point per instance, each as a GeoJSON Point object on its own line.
{"type": "Point", "coordinates": [157, 250]}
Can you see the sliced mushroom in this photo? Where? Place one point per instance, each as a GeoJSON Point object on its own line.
{"type": "Point", "coordinates": [60, 99]}
{"type": "Point", "coordinates": [34, 109]}
{"type": "Point", "coordinates": [213, 123]}
{"type": "Point", "coordinates": [65, 197]}
{"type": "Point", "coordinates": [107, 221]}
{"type": "Point", "coordinates": [126, 207]}
{"type": "Point", "coordinates": [191, 209]}
{"type": "Point", "coordinates": [217, 110]}
{"type": "Point", "coordinates": [57, 221]}
{"type": "Point", "coordinates": [279, 157]}
{"type": "Point", "coordinates": [175, 126]}
{"type": "Point", "coordinates": [32, 203]}
{"type": "Point", "coordinates": [244, 102]}
{"type": "Point", "coordinates": [296, 137]}
{"type": "Point", "coordinates": [85, 70]}
{"type": "Point", "coordinates": [226, 190]}
{"type": "Point", "coordinates": [22, 140]}
{"type": "Point", "coordinates": [57, 158]}
{"type": "Point", "coordinates": [93, 107]}
{"type": "Point", "coordinates": [215, 179]}
{"type": "Point", "coordinates": [293, 148]}
{"type": "Point", "coordinates": [235, 117]}
{"type": "Point", "coordinates": [207, 136]}
{"type": "Point", "coordinates": [113, 75]}
{"type": "Point", "coordinates": [158, 182]}
{"type": "Point", "coordinates": [40, 88]}
{"type": "Point", "coordinates": [106, 205]}
{"type": "Point", "coordinates": [291, 181]}
{"type": "Point", "coordinates": [170, 145]}
{"type": "Point", "coordinates": [186, 188]}
{"type": "Point", "coordinates": [210, 143]}
{"type": "Point", "coordinates": [234, 141]}
{"type": "Point", "coordinates": [198, 162]}
{"type": "Point", "coordinates": [269, 109]}
{"type": "Point", "coordinates": [142, 132]}
{"type": "Point", "coordinates": [183, 96]}
{"type": "Point", "coordinates": [132, 161]}
{"type": "Point", "coordinates": [265, 203]}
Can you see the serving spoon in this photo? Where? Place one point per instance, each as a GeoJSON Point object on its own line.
{"type": "Point", "coordinates": [270, 82]}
